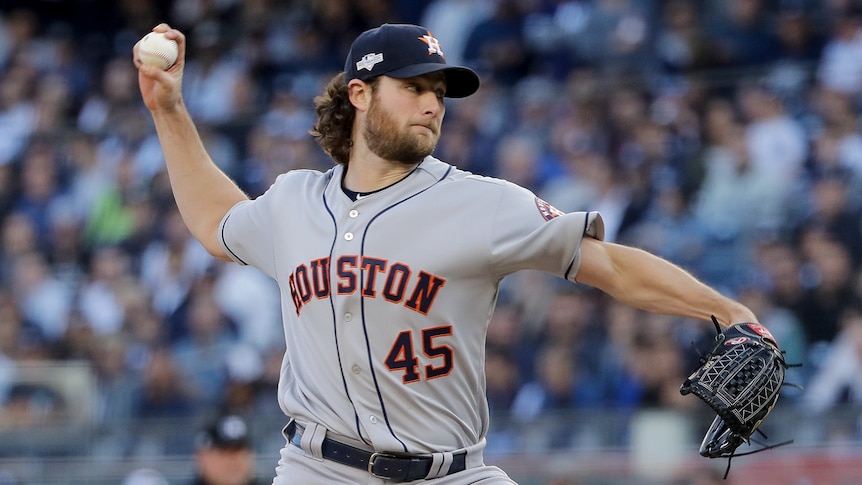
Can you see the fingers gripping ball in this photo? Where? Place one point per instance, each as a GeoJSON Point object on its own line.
{"type": "Point", "coordinates": [740, 379]}
{"type": "Point", "coordinates": [157, 50]}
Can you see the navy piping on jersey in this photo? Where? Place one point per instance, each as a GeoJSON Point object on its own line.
{"type": "Point", "coordinates": [586, 228]}
{"type": "Point", "coordinates": [335, 326]}
{"type": "Point", "coordinates": [224, 243]}
{"type": "Point", "coordinates": [362, 305]}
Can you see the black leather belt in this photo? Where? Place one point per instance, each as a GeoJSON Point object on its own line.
{"type": "Point", "coordinates": [397, 467]}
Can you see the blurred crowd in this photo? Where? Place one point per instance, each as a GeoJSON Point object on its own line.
{"type": "Point", "coordinates": [723, 135]}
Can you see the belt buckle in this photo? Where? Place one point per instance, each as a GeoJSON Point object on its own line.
{"type": "Point", "coordinates": [375, 456]}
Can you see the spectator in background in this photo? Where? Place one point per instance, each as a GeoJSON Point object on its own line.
{"type": "Point", "coordinates": [453, 20]}
{"type": "Point", "coordinates": [836, 141]}
{"type": "Point", "coordinates": [224, 454]}
{"type": "Point", "coordinates": [622, 325]}
{"type": "Point", "coordinates": [119, 388]}
{"type": "Point", "coordinates": [669, 229]}
{"type": "Point", "coordinates": [250, 299]}
{"type": "Point", "coordinates": [164, 393]}
{"type": "Point", "coordinates": [657, 365]}
{"type": "Point", "coordinates": [33, 404]}
{"type": "Point", "coordinates": [615, 37]}
{"type": "Point", "coordinates": [245, 367]}
{"type": "Point", "coordinates": [40, 193]}
{"type": "Point", "coordinates": [567, 318]}
{"type": "Point", "coordinates": [145, 331]}
{"type": "Point", "coordinates": [495, 46]}
{"type": "Point", "coordinates": [17, 238]}
{"type": "Point", "coordinates": [832, 213]}
{"type": "Point", "coordinates": [830, 289]}
{"type": "Point", "coordinates": [110, 101]}
{"type": "Point", "coordinates": [43, 299]}
{"type": "Point", "coordinates": [559, 386]}
{"type": "Point", "coordinates": [216, 88]}
{"type": "Point", "coordinates": [19, 339]}
{"type": "Point", "coordinates": [799, 44]}
{"type": "Point", "coordinates": [112, 219]}
{"type": "Point", "coordinates": [596, 184]}
{"type": "Point", "coordinates": [202, 352]}
{"type": "Point", "coordinates": [519, 160]}
{"type": "Point", "coordinates": [506, 333]}
{"type": "Point", "coordinates": [780, 265]}
{"type": "Point", "coordinates": [681, 43]}
{"type": "Point", "coordinates": [503, 381]}
{"type": "Point", "coordinates": [838, 379]}
{"type": "Point", "coordinates": [101, 295]}
{"type": "Point", "coordinates": [171, 263]}
{"type": "Point", "coordinates": [730, 201]}
{"type": "Point", "coordinates": [740, 34]}
{"type": "Point", "coordinates": [777, 147]}
{"type": "Point", "coordinates": [840, 66]}
{"type": "Point", "coordinates": [17, 30]}
{"type": "Point", "coordinates": [17, 111]}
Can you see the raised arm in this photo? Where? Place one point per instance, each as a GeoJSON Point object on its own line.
{"type": "Point", "coordinates": [202, 191]}
{"type": "Point", "coordinates": [642, 280]}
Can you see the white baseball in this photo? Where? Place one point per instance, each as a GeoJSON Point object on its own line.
{"type": "Point", "coordinates": [157, 50]}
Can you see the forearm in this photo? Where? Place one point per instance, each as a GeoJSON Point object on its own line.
{"type": "Point", "coordinates": [203, 192]}
{"type": "Point", "coordinates": [645, 281]}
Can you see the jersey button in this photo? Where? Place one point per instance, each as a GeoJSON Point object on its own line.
{"type": "Point", "coordinates": [348, 317]}
{"type": "Point", "coordinates": [348, 236]}
{"type": "Point", "coordinates": [356, 369]}
{"type": "Point", "coordinates": [353, 213]}
{"type": "Point", "coordinates": [373, 419]}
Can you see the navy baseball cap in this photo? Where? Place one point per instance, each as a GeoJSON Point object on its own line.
{"type": "Point", "coordinates": [226, 432]}
{"type": "Point", "coordinates": [402, 51]}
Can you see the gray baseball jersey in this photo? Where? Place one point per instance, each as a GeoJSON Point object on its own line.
{"type": "Point", "coordinates": [386, 299]}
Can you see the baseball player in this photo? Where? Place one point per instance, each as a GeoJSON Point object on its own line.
{"type": "Point", "coordinates": [389, 265]}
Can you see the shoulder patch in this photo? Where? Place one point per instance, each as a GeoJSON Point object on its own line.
{"type": "Point", "coordinates": [547, 210]}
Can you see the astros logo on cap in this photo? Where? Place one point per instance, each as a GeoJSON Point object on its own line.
{"type": "Point", "coordinates": [433, 44]}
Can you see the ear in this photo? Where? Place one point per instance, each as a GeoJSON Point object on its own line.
{"type": "Point", "coordinates": [359, 93]}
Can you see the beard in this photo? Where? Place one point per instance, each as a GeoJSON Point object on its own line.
{"type": "Point", "coordinates": [389, 141]}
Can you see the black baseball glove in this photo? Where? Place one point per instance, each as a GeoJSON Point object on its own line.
{"type": "Point", "coordinates": [740, 378]}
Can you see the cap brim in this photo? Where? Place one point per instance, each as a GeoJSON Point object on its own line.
{"type": "Point", "coordinates": [460, 81]}
{"type": "Point", "coordinates": [230, 445]}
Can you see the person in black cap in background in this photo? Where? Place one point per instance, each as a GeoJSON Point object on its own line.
{"type": "Point", "coordinates": [224, 453]}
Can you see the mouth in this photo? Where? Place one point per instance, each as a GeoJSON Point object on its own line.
{"type": "Point", "coordinates": [430, 128]}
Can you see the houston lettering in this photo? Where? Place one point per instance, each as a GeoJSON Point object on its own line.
{"type": "Point", "coordinates": [372, 277]}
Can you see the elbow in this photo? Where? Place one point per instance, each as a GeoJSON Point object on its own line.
{"type": "Point", "coordinates": [218, 253]}
{"type": "Point", "coordinates": [210, 241]}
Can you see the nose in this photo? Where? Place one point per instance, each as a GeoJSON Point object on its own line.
{"type": "Point", "coordinates": [432, 105]}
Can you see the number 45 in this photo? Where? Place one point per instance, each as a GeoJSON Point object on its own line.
{"type": "Point", "coordinates": [403, 358]}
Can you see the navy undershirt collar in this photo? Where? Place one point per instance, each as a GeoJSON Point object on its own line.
{"type": "Point", "coordinates": [354, 196]}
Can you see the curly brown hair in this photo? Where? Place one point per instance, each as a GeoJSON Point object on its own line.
{"type": "Point", "coordinates": [335, 115]}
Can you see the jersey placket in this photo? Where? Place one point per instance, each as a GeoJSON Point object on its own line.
{"type": "Point", "coordinates": [356, 359]}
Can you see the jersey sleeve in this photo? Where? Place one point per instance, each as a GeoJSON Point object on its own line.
{"type": "Point", "coordinates": [246, 233]}
{"type": "Point", "coordinates": [529, 233]}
